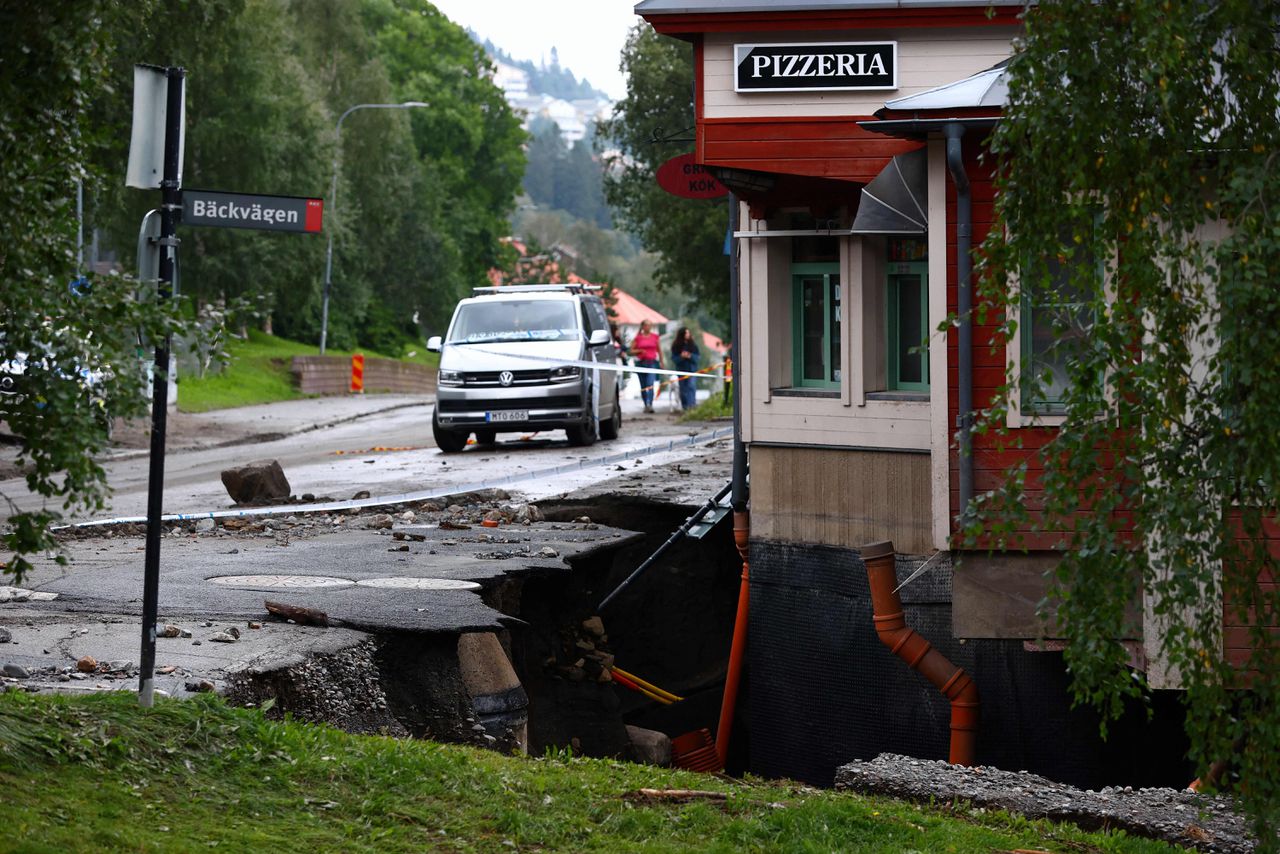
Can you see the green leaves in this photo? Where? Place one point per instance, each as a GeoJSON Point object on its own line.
{"type": "Point", "coordinates": [1160, 119]}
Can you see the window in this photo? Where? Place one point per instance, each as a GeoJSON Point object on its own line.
{"type": "Point", "coordinates": [907, 315]}
{"type": "Point", "coordinates": [1054, 321]}
{"type": "Point", "coordinates": [816, 313]}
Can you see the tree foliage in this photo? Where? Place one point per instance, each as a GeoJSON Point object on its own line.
{"type": "Point", "coordinates": [75, 353]}
{"type": "Point", "coordinates": [1141, 137]}
{"type": "Point", "coordinates": [687, 234]}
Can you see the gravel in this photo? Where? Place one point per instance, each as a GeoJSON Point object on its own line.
{"type": "Point", "coordinates": [1176, 816]}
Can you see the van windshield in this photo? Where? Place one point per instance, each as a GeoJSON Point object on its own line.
{"type": "Point", "coordinates": [515, 320]}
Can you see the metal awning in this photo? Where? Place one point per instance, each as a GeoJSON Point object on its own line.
{"type": "Point", "coordinates": [895, 202]}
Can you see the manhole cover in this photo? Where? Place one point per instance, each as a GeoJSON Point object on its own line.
{"type": "Point", "coordinates": [281, 581]}
{"type": "Point", "coordinates": [420, 583]}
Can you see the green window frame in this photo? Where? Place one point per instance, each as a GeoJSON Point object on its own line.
{"type": "Point", "coordinates": [907, 326]}
{"type": "Point", "coordinates": [815, 322]}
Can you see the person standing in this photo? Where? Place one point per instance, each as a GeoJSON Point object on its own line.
{"type": "Point", "coordinates": [645, 347]}
{"type": "Point", "coordinates": [685, 355]}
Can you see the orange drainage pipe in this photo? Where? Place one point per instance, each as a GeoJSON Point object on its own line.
{"type": "Point", "coordinates": [737, 651]}
{"type": "Point", "coordinates": [919, 654]}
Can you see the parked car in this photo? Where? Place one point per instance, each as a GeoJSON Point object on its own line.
{"type": "Point", "coordinates": [17, 380]}
{"type": "Point", "coordinates": [505, 365]}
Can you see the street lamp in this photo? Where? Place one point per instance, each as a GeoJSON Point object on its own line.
{"type": "Point", "coordinates": [333, 204]}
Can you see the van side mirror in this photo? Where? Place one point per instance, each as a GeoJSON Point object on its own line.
{"type": "Point", "coordinates": [597, 337]}
{"type": "Point", "coordinates": [433, 343]}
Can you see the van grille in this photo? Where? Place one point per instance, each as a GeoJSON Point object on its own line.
{"type": "Point", "coordinates": [540, 376]}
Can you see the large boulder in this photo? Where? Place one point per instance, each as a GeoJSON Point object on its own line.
{"type": "Point", "coordinates": [261, 482]}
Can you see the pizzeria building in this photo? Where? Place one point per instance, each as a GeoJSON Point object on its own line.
{"type": "Point", "coordinates": [852, 134]}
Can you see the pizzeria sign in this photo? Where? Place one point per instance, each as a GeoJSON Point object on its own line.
{"type": "Point", "coordinates": [810, 67]}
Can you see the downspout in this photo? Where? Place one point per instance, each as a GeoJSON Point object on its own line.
{"type": "Point", "coordinates": [738, 499]}
{"type": "Point", "coordinates": [919, 654]}
{"type": "Point", "coordinates": [953, 131]}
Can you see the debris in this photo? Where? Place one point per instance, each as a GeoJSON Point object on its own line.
{"type": "Point", "coordinates": [206, 526]}
{"type": "Point", "coordinates": [649, 746]}
{"type": "Point", "coordinates": [361, 495]}
{"type": "Point", "coordinates": [5, 635]}
{"type": "Point", "coordinates": [300, 615]}
{"type": "Point", "coordinates": [594, 625]}
{"type": "Point", "coordinates": [547, 551]}
{"type": "Point", "coordinates": [223, 637]}
{"type": "Point", "coordinates": [88, 664]}
{"type": "Point", "coordinates": [681, 796]}
{"type": "Point", "coordinates": [169, 632]}
{"type": "Point", "coordinates": [447, 525]}
{"type": "Point", "coordinates": [16, 671]}
{"type": "Point", "coordinates": [202, 686]}
{"type": "Point", "coordinates": [261, 482]}
{"type": "Point", "coordinates": [380, 522]}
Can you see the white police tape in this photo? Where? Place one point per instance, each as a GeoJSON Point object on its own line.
{"type": "Point", "coordinates": [582, 363]}
{"type": "Point", "coordinates": [380, 501]}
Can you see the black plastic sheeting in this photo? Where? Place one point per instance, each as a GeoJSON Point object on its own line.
{"type": "Point", "coordinates": [825, 691]}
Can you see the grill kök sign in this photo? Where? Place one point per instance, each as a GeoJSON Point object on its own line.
{"type": "Point", "coordinates": [684, 176]}
{"type": "Point", "coordinates": [245, 210]}
{"type": "Point", "coordinates": [826, 66]}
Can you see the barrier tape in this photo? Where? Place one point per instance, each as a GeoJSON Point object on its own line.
{"type": "Point", "coordinates": [427, 495]}
{"type": "Point", "coordinates": [605, 366]}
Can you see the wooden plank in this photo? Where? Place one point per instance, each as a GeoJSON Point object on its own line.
{"type": "Point", "coordinates": [841, 498]}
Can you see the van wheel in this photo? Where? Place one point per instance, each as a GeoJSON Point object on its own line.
{"type": "Point", "coordinates": [610, 429]}
{"type": "Point", "coordinates": [583, 434]}
{"type": "Point", "coordinates": [449, 441]}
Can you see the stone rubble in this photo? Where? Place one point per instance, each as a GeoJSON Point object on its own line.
{"type": "Point", "coordinates": [1184, 818]}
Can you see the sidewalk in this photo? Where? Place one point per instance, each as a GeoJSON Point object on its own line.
{"type": "Point", "coordinates": [261, 423]}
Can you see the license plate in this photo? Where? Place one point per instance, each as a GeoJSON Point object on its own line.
{"type": "Point", "coordinates": [507, 415]}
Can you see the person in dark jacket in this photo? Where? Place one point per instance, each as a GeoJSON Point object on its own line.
{"type": "Point", "coordinates": [685, 355]}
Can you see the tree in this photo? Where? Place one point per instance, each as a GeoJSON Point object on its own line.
{"type": "Point", "coordinates": [687, 234]}
{"type": "Point", "coordinates": [1144, 142]}
{"type": "Point", "coordinates": [78, 350]}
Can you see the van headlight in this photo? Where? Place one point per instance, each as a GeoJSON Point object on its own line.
{"type": "Point", "coordinates": [565, 374]}
{"type": "Point", "coordinates": [450, 377]}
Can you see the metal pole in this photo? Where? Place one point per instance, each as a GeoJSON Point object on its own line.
{"type": "Point", "coordinates": [735, 352]}
{"type": "Point", "coordinates": [333, 206]}
{"type": "Point", "coordinates": [172, 203]}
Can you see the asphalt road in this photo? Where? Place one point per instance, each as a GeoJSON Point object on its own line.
{"type": "Point", "coordinates": [378, 446]}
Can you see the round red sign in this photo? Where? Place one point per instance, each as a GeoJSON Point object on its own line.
{"type": "Point", "coordinates": [684, 176]}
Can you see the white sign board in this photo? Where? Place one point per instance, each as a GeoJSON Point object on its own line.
{"type": "Point", "coordinates": [146, 144]}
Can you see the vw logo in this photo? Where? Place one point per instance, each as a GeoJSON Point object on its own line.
{"type": "Point", "coordinates": [506, 377]}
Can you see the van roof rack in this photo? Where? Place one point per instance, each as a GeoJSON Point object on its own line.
{"type": "Point", "coordinates": [573, 288]}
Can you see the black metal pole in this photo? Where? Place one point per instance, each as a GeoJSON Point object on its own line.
{"type": "Point", "coordinates": [172, 199]}
{"type": "Point", "coordinates": [739, 499]}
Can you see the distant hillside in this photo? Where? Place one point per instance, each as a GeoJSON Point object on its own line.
{"type": "Point", "coordinates": [548, 79]}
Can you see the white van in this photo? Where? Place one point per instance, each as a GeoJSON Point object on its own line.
{"type": "Point", "coordinates": [503, 366]}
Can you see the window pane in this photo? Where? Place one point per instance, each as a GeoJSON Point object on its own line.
{"type": "Point", "coordinates": [834, 326]}
{"type": "Point", "coordinates": [1059, 321]}
{"type": "Point", "coordinates": [813, 309]}
{"type": "Point", "coordinates": [910, 330]}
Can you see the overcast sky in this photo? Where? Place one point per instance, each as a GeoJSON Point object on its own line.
{"type": "Point", "coordinates": [588, 34]}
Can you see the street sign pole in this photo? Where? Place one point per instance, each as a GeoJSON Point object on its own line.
{"type": "Point", "coordinates": [170, 209]}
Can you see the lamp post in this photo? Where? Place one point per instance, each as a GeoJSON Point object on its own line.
{"type": "Point", "coordinates": [333, 204]}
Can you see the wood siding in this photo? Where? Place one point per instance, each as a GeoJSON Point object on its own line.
{"type": "Point", "coordinates": [926, 58]}
{"type": "Point", "coordinates": [839, 497]}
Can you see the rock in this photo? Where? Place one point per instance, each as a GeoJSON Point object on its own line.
{"type": "Point", "coordinates": [88, 664]}
{"type": "Point", "coordinates": [380, 522]}
{"type": "Point", "coordinates": [253, 624]}
{"type": "Point", "coordinates": [223, 637]}
{"type": "Point", "coordinates": [16, 671]}
{"type": "Point", "coordinates": [361, 495]}
{"type": "Point", "coordinates": [594, 625]}
{"type": "Point", "coordinates": [169, 632]}
{"type": "Point", "coordinates": [527, 513]}
{"type": "Point", "coordinates": [206, 526]}
{"type": "Point", "coordinates": [649, 746]}
{"type": "Point", "coordinates": [202, 686]}
{"type": "Point", "coordinates": [186, 633]}
{"type": "Point", "coordinates": [408, 516]}
{"type": "Point", "coordinates": [119, 666]}
{"type": "Point", "coordinates": [259, 482]}
{"type": "Point", "coordinates": [547, 551]}
{"type": "Point", "coordinates": [5, 635]}
{"type": "Point", "coordinates": [308, 496]}
{"type": "Point", "coordinates": [583, 520]}
{"type": "Point", "coordinates": [234, 632]}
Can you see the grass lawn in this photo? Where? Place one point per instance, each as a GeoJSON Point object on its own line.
{"type": "Point", "coordinates": [259, 373]}
{"type": "Point", "coordinates": [98, 773]}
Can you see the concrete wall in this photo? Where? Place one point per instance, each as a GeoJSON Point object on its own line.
{"type": "Point", "coordinates": [332, 375]}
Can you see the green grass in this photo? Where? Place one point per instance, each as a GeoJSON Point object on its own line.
{"type": "Point", "coordinates": [713, 407]}
{"type": "Point", "coordinates": [98, 773]}
{"type": "Point", "coordinates": [259, 373]}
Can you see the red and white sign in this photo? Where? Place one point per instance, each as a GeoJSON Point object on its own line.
{"type": "Point", "coordinates": [684, 176]}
